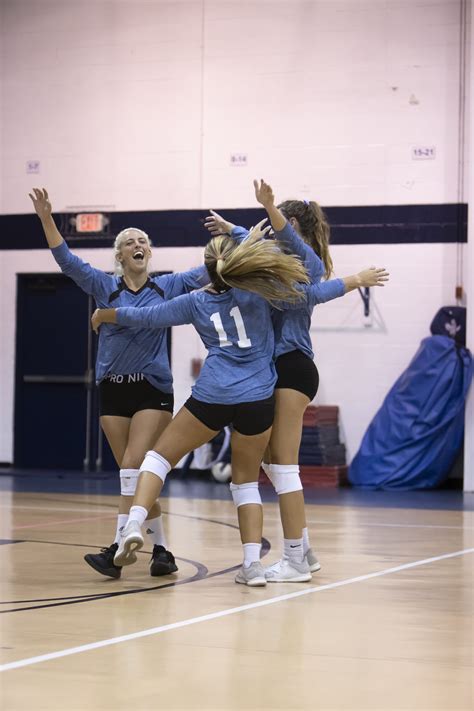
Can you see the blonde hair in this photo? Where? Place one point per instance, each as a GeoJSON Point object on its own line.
{"type": "Point", "coordinates": [257, 265]}
{"type": "Point", "coordinates": [119, 240]}
{"type": "Point", "coordinates": [314, 228]}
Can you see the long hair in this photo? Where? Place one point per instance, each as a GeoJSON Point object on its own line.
{"type": "Point", "coordinates": [256, 265]}
{"type": "Point", "coordinates": [119, 240]}
{"type": "Point", "coordinates": [314, 228]}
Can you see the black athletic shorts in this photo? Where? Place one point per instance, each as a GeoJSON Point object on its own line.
{"type": "Point", "coordinates": [124, 395]}
{"type": "Point", "coordinates": [296, 371]}
{"type": "Point", "coordinates": [248, 418]}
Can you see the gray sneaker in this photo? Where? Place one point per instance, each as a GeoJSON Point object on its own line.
{"type": "Point", "coordinates": [286, 571]}
{"type": "Point", "coordinates": [312, 561]}
{"type": "Point", "coordinates": [131, 540]}
{"type": "Point", "coordinates": [253, 576]}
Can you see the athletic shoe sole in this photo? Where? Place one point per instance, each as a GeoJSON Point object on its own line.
{"type": "Point", "coordinates": [303, 578]}
{"type": "Point", "coordinates": [255, 583]}
{"type": "Point", "coordinates": [128, 556]}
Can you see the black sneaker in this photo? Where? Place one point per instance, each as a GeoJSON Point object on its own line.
{"type": "Point", "coordinates": [162, 562]}
{"type": "Point", "coordinates": [103, 562]}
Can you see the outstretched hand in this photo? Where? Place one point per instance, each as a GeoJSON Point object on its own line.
{"type": "Point", "coordinates": [216, 224]}
{"type": "Point", "coordinates": [42, 205]}
{"type": "Point", "coordinates": [264, 193]}
{"type": "Point", "coordinates": [373, 276]}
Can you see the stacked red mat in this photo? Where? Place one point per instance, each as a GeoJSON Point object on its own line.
{"type": "Point", "coordinates": [319, 419]}
{"type": "Point", "coordinates": [321, 415]}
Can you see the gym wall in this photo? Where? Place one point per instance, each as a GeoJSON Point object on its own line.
{"type": "Point", "coordinates": [138, 106]}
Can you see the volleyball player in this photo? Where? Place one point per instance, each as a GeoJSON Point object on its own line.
{"type": "Point", "coordinates": [302, 228]}
{"type": "Point", "coordinates": [132, 368]}
{"type": "Point", "coordinates": [236, 383]}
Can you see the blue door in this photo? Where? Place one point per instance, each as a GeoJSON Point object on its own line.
{"type": "Point", "coordinates": [56, 399]}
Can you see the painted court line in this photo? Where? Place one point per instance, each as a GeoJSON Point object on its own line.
{"type": "Point", "coordinates": [39, 508]}
{"type": "Point", "coordinates": [360, 524]}
{"type": "Point", "coordinates": [68, 520]}
{"type": "Point", "coordinates": [388, 525]}
{"type": "Point", "coordinates": [224, 613]}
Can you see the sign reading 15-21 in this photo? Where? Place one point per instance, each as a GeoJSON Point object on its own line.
{"type": "Point", "coordinates": [423, 153]}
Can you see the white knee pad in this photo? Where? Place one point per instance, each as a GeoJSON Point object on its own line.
{"type": "Point", "coordinates": [245, 493]}
{"type": "Point", "coordinates": [285, 478]}
{"type": "Point", "coordinates": [156, 464]}
{"type": "Point", "coordinates": [128, 481]}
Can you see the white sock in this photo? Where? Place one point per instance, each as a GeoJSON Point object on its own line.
{"type": "Point", "coordinates": [155, 531]}
{"type": "Point", "coordinates": [306, 543]}
{"type": "Point", "coordinates": [293, 549]}
{"type": "Point", "coordinates": [122, 520]}
{"type": "Point", "coordinates": [138, 514]}
{"type": "Point", "coordinates": [251, 553]}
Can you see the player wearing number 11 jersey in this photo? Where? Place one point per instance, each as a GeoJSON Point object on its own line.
{"type": "Point", "coordinates": [235, 327]}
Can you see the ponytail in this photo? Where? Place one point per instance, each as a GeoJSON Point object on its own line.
{"type": "Point", "coordinates": [257, 265]}
{"type": "Point", "coordinates": [314, 228]}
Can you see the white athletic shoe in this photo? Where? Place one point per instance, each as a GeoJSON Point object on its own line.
{"type": "Point", "coordinates": [286, 571]}
{"type": "Point", "coordinates": [313, 562]}
{"type": "Point", "coordinates": [131, 540]}
{"type": "Point", "coordinates": [253, 576]}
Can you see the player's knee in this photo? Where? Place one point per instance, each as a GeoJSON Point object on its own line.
{"type": "Point", "coordinates": [243, 494]}
{"type": "Point", "coordinates": [128, 481]}
{"type": "Point", "coordinates": [285, 478]}
{"type": "Point", "coordinates": [156, 464]}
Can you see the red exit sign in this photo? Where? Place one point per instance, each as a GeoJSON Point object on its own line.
{"type": "Point", "coordinates": [90, 222]}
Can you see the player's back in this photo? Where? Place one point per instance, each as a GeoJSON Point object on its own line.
{"type": "Point", "coordinates": [236, 328]}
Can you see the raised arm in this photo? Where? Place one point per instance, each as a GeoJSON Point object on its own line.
{"type": "Point", "coordinates": [92, 281]}
{"type": "Point", "coordinates": [264, 195]}
{"type": "Point", "coordinates": [42, 205]}
{"type": "Point", "coordinates": [170, 313]}
{"type": "Point", "coordinates": [285, 233]}
{"type": "Point", "coordinates": [217, 225]}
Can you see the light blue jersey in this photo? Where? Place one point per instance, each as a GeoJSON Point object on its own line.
{"type": "Point", "coordinates": [292, 327]}
{"type": "Point", "coordinates": [123, 350]}
{"type": "Point", "coordinates": [236, 329]}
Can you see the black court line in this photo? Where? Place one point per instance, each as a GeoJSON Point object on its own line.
{"type": "Point", "coordinates": [202, 570]}
{"type": "Point", "coordinates": [8, 541]}
{"type": "Point", "coordinates": [201, 574]}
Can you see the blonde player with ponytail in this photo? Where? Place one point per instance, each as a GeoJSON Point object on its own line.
{"type": "Point", "coordinates": [233, 318]}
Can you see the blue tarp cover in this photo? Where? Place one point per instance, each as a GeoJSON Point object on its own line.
{"type": "Point", "coordinates": [413, 439]}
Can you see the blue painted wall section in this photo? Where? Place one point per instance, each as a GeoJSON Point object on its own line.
{"type": "Point", "coordinates": [383, 224]}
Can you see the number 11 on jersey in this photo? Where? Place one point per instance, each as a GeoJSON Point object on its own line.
{"type": "Point", "coordinates": [244, 341]}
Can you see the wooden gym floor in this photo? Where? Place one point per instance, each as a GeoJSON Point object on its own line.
{"type": "Point", "coordinates": [386, 624]}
